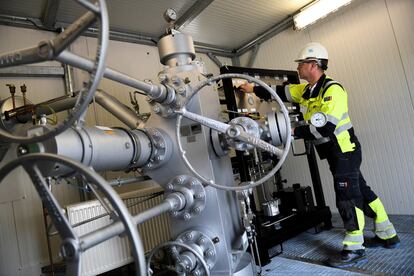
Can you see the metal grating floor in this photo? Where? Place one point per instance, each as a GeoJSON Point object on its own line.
{"type": "Point", "coordinates": [308, 252]}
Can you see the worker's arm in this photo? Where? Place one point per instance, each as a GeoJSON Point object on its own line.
{"type": "Point", "coordinates": [287, 93]}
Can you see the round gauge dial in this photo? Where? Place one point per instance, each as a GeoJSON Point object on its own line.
{"type": "Point", "coordinates": [318, 119]}
{"type": "Point", "coordinates": [170, 15]}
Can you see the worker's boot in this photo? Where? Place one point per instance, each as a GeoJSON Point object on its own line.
{"type": "Point", "coordinates": [348, 258]}
{"type": "Point", "coordinates": [376, 241]}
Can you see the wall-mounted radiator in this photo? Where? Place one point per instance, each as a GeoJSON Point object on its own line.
{"type": "Point", "coordinates": [115, 252]}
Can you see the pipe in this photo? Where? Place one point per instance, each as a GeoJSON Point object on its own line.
{"type": "Point", "coordinates": [124, 181]}
{"type": "Point", "coordinates": [100, 235]}
{"type": "Point", "coordinates": [108, 102]}
{"type": "Point", "coordinates": [153, 91]}
{"type": "Point", "coordinates": [24, 113]}
{"type": "Point", "coordinates": [119, 110]}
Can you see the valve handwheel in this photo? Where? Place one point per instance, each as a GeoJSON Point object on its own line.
{"type": "Point", "coordinates": [235, 132]}
{"type": "Point", "coordinates": [46, 50]}
{"type": "Point", "coordinates": [71, 244]}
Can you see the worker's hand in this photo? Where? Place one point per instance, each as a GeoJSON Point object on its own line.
{"type": "Point", "coordinates": [292, 131]}
{"type": "Point", "coordinates": [246, 87]}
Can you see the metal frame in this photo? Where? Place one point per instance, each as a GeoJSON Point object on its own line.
{"type": "Point", "coordinates": [50, 12]}
{"type": "Point", "coordinates": [192, 13]}
{"type": "Point", "coordinates": [48, 21]}
{"type": "Point", "coordinates": [33, 71]}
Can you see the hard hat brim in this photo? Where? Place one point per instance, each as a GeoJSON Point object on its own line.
{"type": "Point", "coordinates": [306, 59]}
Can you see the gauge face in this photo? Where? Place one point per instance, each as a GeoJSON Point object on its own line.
{"type": "Point", "coordinates": [250, 100]}
{"type": "Point", "coordinates": [318, 119]}
{"type": "Point", "coordinates": [171, 14]}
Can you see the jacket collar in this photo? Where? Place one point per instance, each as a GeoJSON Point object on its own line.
{"type": "Point", "coordinates": [307, 95]}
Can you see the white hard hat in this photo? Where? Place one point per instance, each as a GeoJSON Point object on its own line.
{"type": "Point", "coordinates": [312, 51]}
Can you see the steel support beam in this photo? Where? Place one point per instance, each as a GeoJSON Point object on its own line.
{"type": "Point", "coordinates": [253, 55]}
{"type": "Point", "coordinates": [50, 13]}
{"type": "Point", "coordinates": [235, 60]}
{"type": "Point", "coordinates": [32, 71]}
{"type": "Point", "coordinates": [279, 27]}
{"type": "Point", "coordinates": [192, 13]}
{"type": "Point", "coordinates": [215, 59]}
{"type": "Point", "coordinates": [137, 38]}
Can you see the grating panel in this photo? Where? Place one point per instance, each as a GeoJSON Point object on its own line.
{"type": "Point", "coordinates": [283, 266]}
{"type": "Point", "coordinates": [317, 248]}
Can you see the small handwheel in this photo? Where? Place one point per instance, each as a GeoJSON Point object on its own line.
{"type": "Point", "coordinates": [234, 132]}
{"type": "Point", "coordinates": [71, 244]}
{"type": "Point", "coordinates": [179, 244]}
{"type": "Point", "coordinates": [86, 96]}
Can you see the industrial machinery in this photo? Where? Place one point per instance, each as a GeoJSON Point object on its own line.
{"type": "Point", "coordinates": [183, 146]}
{"type": "Point", "coordinates": [280, 212]}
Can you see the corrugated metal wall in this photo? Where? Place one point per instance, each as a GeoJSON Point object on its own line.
{"type": "Point", "coordinates": [371, 50]}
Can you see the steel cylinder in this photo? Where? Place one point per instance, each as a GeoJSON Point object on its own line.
{"type": "Point", "coordinates": [101, 148]}
{"type": "Point", "coordinates": [176, 49]}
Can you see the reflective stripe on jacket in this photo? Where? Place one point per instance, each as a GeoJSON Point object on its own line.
{"type": "Point", "coordinates": [330, 98]}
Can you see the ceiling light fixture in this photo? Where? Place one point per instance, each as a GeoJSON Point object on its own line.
{"type": "Point", "coordinates": [317, 10]}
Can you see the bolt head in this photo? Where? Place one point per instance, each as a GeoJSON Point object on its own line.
{"type": "Point", "coordinates": [210, 253]}
{"type": "Point", "coordinates": [156, 109]}
{"type": "Point", "coordinates": [201, 240]}
{"type": "Point", "coordinates": [186, 216]}
{"type": "Point", "coordinates": [162, 78]}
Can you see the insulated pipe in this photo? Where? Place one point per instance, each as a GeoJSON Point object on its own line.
{"type": "Point", "coordinates": [157, 93]}
{"type": "Point", "coordinates": [118, 109]}
{"type": "Point", "coordinates": [107, 101]}
{"type": "Point", "coordinates": [102, 148]}
{"type": "Point", "coordinates": [173, 202]}
{"type": "Point", "coordinates": [24, 113]}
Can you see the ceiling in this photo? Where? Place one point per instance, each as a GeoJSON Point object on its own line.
{"type": "Point", "coordinates": [220, 26]}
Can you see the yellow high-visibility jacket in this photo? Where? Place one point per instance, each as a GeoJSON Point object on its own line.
{"type": "Point", "coordinates": [328, 97]}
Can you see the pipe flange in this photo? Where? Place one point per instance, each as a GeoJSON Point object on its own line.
{"type": "Point", "coordinates": [276, 128]}
{"type": "Point", "coordinates": [250, 126]}
{"type": "Point", "coordinates": [219, 143]}
{"type": "Point", "coordinates": [201, 243]}
{"type": "Point", "coordinates": [194, 194]}
{"type": "Point", "coordinates": [161, 148]}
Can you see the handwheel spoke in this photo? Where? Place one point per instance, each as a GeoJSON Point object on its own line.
{"type": "Point", "coordinates": [219, 126]}
{"type": "Point", "coordinates": [73, 266]}
{"type": "Point", "coordinates": [54, 210]}
{"type": "Point", "coordinates": [71, 248]}
{"type": "Point", "coordinates": [223, 128]}
{"type": "Point", "coordinates": [257, 142]}
{"type": "Point", "coordinates": [48, 50]}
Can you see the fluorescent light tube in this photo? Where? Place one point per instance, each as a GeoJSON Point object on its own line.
{"type": "Point", "coordinates": [317, 10]}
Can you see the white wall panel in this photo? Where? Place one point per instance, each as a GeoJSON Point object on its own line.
{"type": "Point", "coordinates": [17, 192]}
{"type": "Point", "coordinates": [370, 47]}
{"type": "Point", "coordinates": [210, 66]}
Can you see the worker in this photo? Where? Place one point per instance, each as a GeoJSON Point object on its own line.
{"type": "Point", "coordinates": [324, 105]}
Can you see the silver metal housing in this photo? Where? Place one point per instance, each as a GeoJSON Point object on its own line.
{"type": "Point", "coordinates": [176, 49]}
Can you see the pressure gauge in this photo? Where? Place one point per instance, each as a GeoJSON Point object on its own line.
{"type": "Point", "coordinates": [170, 15]}
{"type": "Point", "coordinates": [318, 119]}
